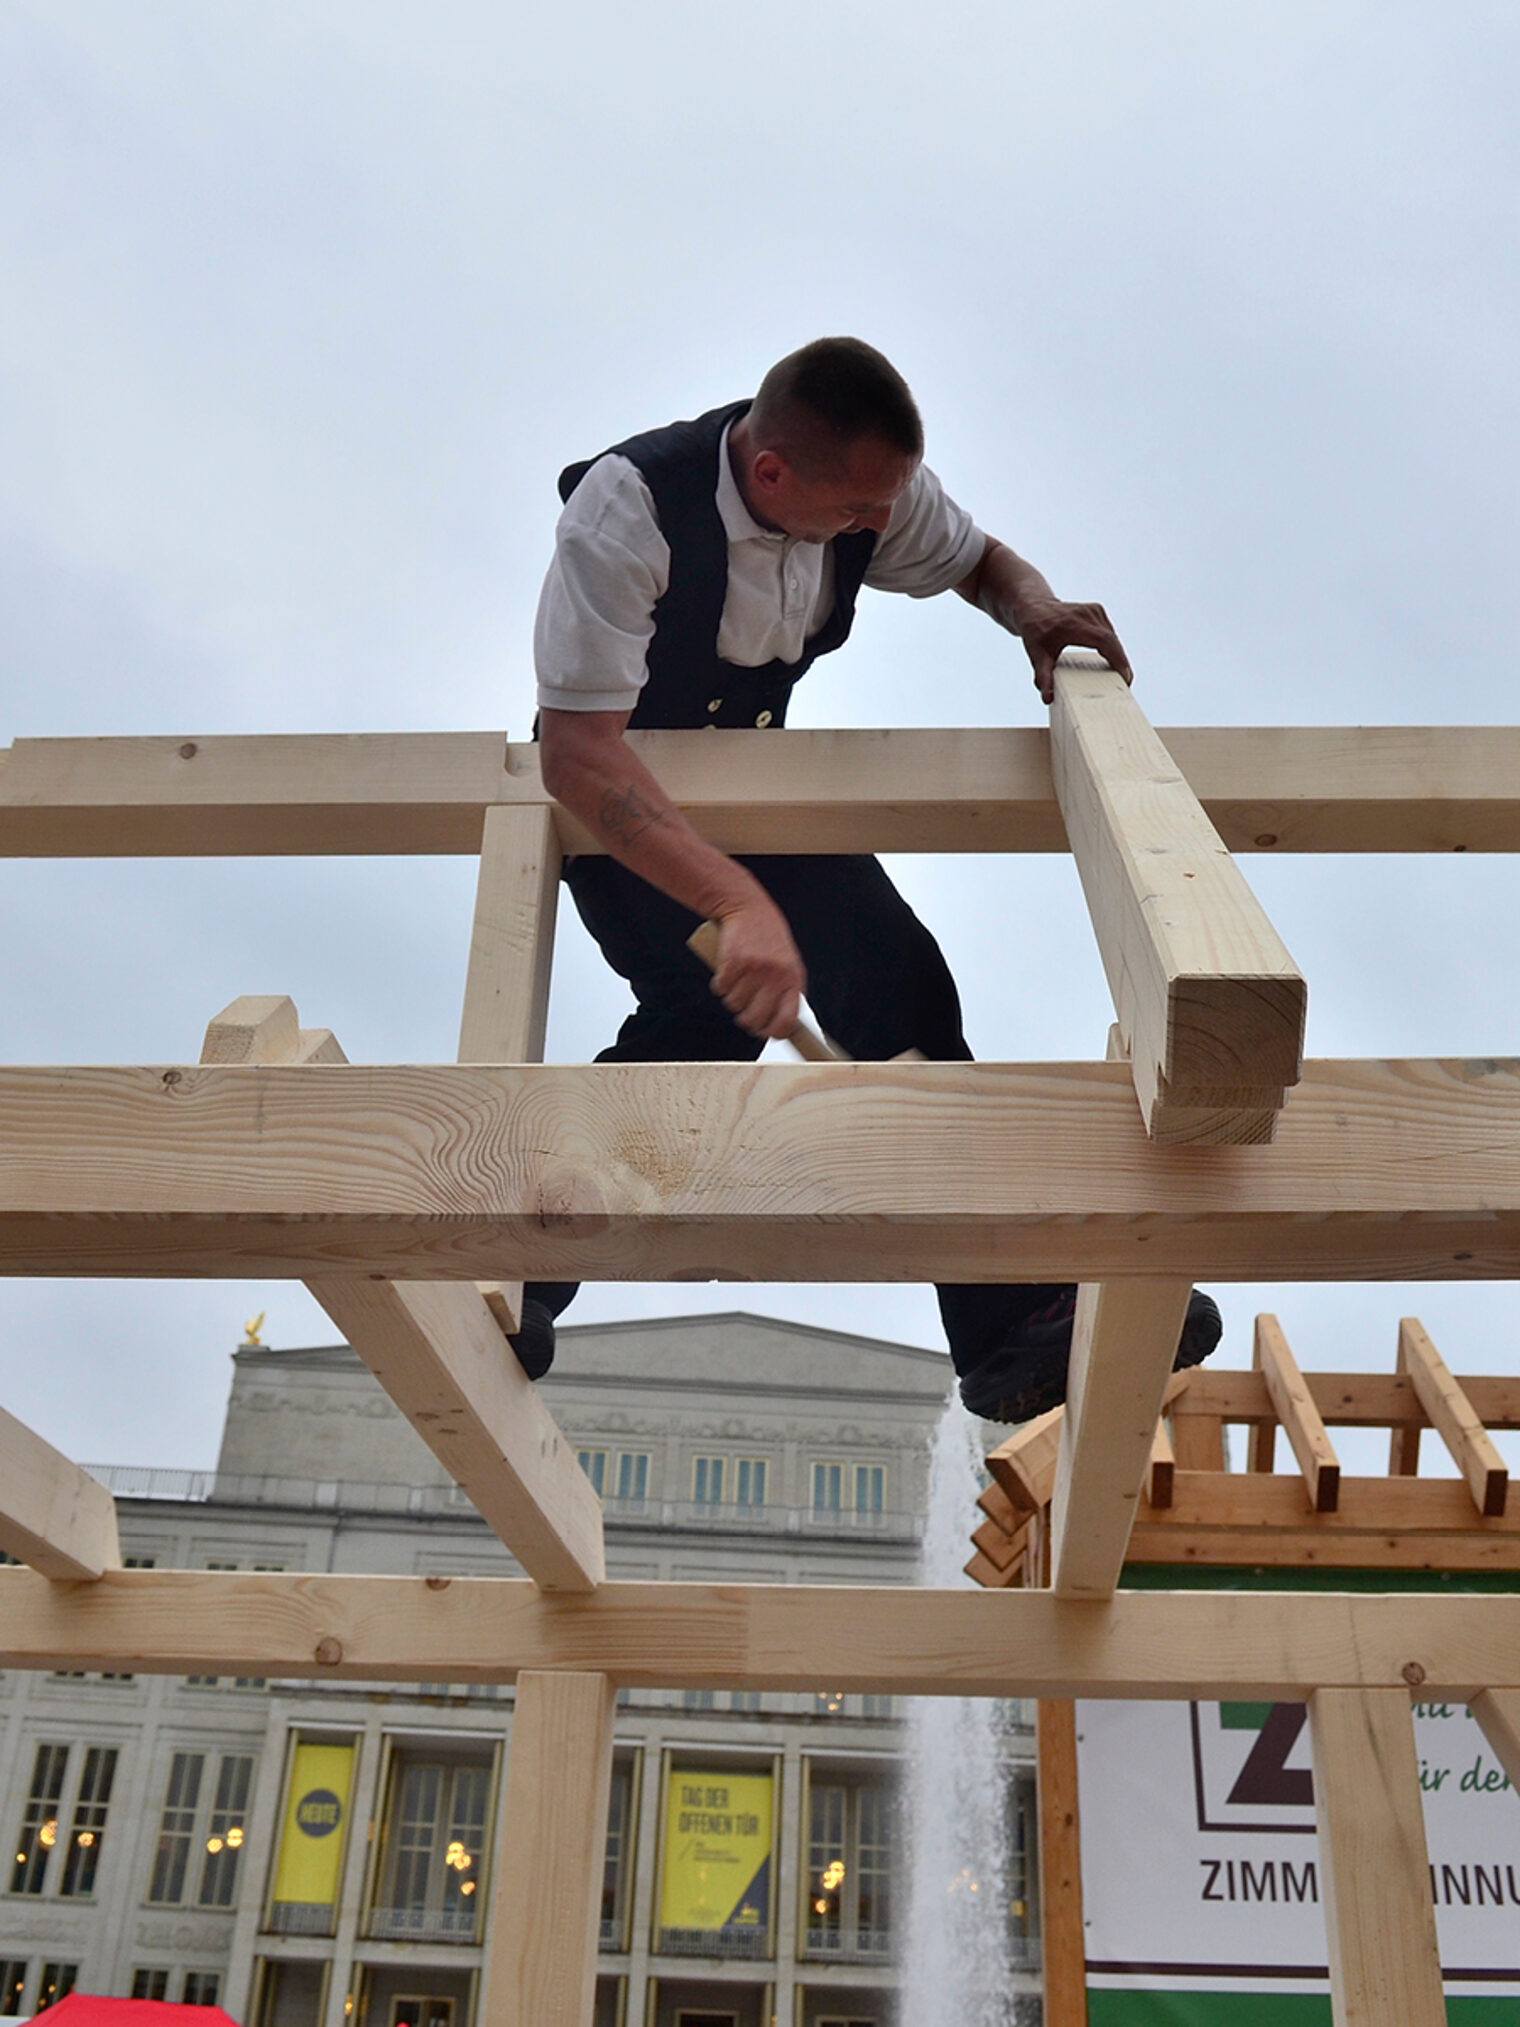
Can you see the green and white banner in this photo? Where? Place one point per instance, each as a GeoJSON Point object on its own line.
{"type": "Point", "coordinates": [1201, 1881]}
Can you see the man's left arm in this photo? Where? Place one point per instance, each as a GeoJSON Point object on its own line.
{"type": "Point", "coordinates": [1013, 592]}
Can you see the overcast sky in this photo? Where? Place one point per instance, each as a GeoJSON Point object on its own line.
{"type": "Point", "coordinates": [1210, 310]}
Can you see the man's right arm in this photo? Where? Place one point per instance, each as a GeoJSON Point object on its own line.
{"type": "Point", "coordinates": [589, 766]}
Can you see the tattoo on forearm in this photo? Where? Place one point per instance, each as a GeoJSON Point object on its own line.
{"type": "Point", "coordinates": [625, 814]}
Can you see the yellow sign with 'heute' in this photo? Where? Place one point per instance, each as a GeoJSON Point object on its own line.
{"type": "Point", "coordinates": [311, 1838]}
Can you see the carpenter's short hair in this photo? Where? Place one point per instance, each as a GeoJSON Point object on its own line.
{"type": "Point", "coordinates": [817, 401]}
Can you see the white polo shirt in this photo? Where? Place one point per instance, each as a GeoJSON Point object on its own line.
{"type": "Point", "coordinates": [611, 563]}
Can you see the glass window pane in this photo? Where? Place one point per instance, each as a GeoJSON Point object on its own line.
{"type": "Point", "coordinates": [828, 1488]}
{"type": "Point", "coordinates": [87, 1833]}
{"type": "Point", "coordinates": [39, 1820]}
{"type": "Point", "coordinates": [707, 1480]}
{"type": "Point", "coordinates": [176, 1829]}
{"type": "Point", "coordinates": [225, 1831]}
{"type": "Point", "coordinates": [749, 1481]}
{"type": "Point", "coordinates": [594, 1464]}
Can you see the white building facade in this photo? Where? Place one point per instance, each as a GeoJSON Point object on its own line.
{"type": "Point", "coordinates": [319, 1855]}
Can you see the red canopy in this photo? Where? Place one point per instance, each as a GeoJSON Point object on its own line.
{"type": "Point", "coordinates": [88, 2009]}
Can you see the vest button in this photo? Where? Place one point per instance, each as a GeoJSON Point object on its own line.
{"type": "Point", "coordinates": [716, 704]}
{"type": "Point", "coordinates": [763, 719]}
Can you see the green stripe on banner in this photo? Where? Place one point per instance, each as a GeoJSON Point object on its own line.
{"type": "Point", "coordinates": [1243, 1716]}
{"type": "Point", "coordinates": [1263, 2009]}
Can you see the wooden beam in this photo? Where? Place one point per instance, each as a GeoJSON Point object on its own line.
{"type": "Point", "coordinates": [438, 1350]}
{"type": "Point", "coordinates": [1300, 1418]}
{"type": "Point", "coordinates": [1197, 1441]}
{"type": "Point", "coordinates": [1498, 1711]}
{"type": "Point", "coordinates": [1453, 1416]}
{"type": "Point", "coordinates": [847, 1171]}
{"type": "Point", "coordinates": [258, 1028]}
{"type": "Point", "coordinates": [541, 1947]}
{"type": "Point", "coordinates": [1123, 1344]}
{"type": "Point", "coordinates": [1397, 788]}
{"type": "Point", "coordinates": [1361, 1400]}
{"type": "Point", "coordinates": [1208, 1000]}
{"type": "Point", "coordinates": [53, 1515]}
{"type": "Point", "coordinates": [1254, 1646]}
{"type": "Point", "coordinates": [1063, 1936]}
{"type": "Point", "coordinates": [1159, 1540]}
{"type": "Point", "coordinates": [1163, 1468]}
{"type": "Point", "coordinates": [1385, 1964]}
{"type": "Point", "coordinates": [506, 994]}
{"type": "Point", "coordinates": [1254, 1500]}
{"type": "Point", "coordinates": [1023, 1466]}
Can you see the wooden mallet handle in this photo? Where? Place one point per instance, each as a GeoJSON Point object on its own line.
{"type": "Point", "coordinates": [809, 1044]}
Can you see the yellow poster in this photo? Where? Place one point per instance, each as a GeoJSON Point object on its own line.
{"type": "Point", "coordinates": [717, 1850]}
{"type": "Point", "coordinates": [311, 1838]}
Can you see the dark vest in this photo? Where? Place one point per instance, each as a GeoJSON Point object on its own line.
{"type": "Point", "coordinates": [688, 683]}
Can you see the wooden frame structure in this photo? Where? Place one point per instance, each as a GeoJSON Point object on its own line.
{"type": "Point", "coordinates": [1193, 1512]}
{"type": "Point", "coordinates": [414, 1201]}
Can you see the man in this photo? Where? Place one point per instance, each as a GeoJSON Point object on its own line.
{"type": "Point", "coordinates": [699, 570]}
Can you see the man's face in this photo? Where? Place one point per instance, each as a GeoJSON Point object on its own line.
{"type": "Point", "coordinates": [858, 492]}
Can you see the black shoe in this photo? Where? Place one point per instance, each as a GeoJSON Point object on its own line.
{"type": "Point", "coordinates": [1026, 1375]}
{"type": "Point", "coordinates": [534, 1343]}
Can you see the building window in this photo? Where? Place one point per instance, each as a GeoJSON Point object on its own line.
{"type": "Point", "coordinates": [632, 1485]}
{"type": "Point", "coordinates": [225, 1831]}
{"type": "Point", "coordinates": [150, 1982]}
{"type": "Point", "coordinates": [876, 1706]}
{"type": "Point", "coordinates": [202, 1988]}
{"type": "Point", "coordinates": [57, 1983]}
{"type": "Point", "coordinates": [594, 1464]}
{"type": "Point", "coordinates": [707, 1480]}
{"type": "Point", "coordinates": [699, 1699]}
{"type": "Point", "coordinates": [744, 1699]}
{"type": "Point", "coordinates": [435, 1837]}
{"type": "Point", "coordinates": [88, 1830]}
{"type": "Point", "coordinates": [870, 1491]}
{"type": "Point", "coordinates": [616, 1866]}
{"type": "Point", "coordinates": [828, 1488]}
{"type": "Point", "coordinates": [12, 1985]}
{"type": "Point", "coordinates": [176, 1829]}
{"type": "Point", "coordinates": [39, 1820]}
{"type": "Point", "coordinates": [849, 1867]}
{"type": "Point", "coordinates": [750, 1474]}
{"type": "Point", "coordinates": [858, 1489]}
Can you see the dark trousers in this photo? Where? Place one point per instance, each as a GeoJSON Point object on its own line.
{"type": "Point", "coordinates": [876, 980]}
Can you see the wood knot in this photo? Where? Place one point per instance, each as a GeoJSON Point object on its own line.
{"type": "Point", "coordinates": [1413, 1674]}
{"type": "Point", "coordinates": [329, 1652]}
{"type": "Point", "coordinates": [189, 750]}
{"type": "Point", "coordinates": [438, 1583]}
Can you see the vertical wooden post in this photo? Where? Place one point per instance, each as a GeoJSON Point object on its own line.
{"type": "Point", "coordinates": [1385, 1966]}
{"type": "Point", "coordinates": [506, 991]}
{"type": "Point", "coordinates": [1123, 1343]}
{"type": "Point", "coordinates": [551, 1847]}
{"type": "Point", "coordinates": [1063, 1946]}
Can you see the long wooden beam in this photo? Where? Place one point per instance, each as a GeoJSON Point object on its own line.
{"type": "Point", "coordinates": [1454, 1417]}
{"type": "Point", "coordinates": [786, 1637]}
{"type": "Point", "coordinates": [1361, 1400]}
{"type": "Point", "coordinates": [1385, 1962]}
{"type": "Point", "coordinates": [437, 1349]}
{"type": "Point", "coordinates": [1210, 1005]}
{"type": "Point", "coordinates": [1123, 1344]}
{"type": "Point", "coordinates": [1278, 789]}
{"type": "Point", "coordinates": [53, 1515]}
{"type": "Point", "coordinates": [634, 1171]}
{"type": "Point", "coordinates": [1301, 1420]}
{"type": "Point", "coordinates": [541, 1945]}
